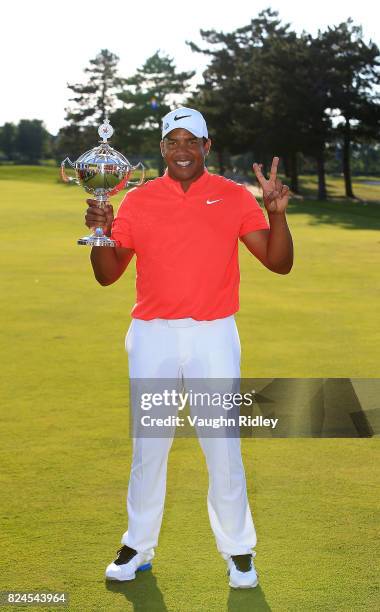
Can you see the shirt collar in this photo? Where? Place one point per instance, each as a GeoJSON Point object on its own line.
{"type": "Point", "coordinates": [194, 188]}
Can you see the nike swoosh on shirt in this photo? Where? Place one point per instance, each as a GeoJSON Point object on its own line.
{"type": "Point", "coordinates": [213, 201]}
{"type": "Point", "coordinates": [181, 117]}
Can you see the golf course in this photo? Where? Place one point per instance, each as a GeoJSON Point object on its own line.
{"type": "Point", "coordinates": [65, 443]}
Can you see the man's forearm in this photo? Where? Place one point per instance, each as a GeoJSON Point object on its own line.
{"type": "Point", "coordinates": [107, 263]}
{"type": "Point", "coordinates": [280, 244]}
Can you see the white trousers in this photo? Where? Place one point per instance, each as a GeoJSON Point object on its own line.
{"type": "Point", "coordinates": [185, 348]}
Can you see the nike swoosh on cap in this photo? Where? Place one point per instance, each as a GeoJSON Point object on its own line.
{"type": "Point", "coordinates": [213, 201]}
{"type": "Point", "coordinates": [181, 117]}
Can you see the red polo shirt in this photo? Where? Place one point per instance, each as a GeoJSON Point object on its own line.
{"type": "Point", "coordinates": [186, 245]}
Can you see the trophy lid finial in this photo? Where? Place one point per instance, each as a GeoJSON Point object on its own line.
{"type": "Point", "coordinates": [105, 131]}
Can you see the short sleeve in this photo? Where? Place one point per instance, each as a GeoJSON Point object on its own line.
{"type": "Point", "coordinates": [122, 225]}
{"type": "Point", "coordinates": [253, 217]}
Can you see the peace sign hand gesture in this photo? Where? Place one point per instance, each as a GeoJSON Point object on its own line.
{"type": "Point", "coordinates": [275, 194]}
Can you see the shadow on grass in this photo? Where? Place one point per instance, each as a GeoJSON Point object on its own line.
{"type": "Point", "coordinates": [345, 213]}
{"type": "Point", "coordinates": [241, 600]}
{"type": "Point", "coordinates": [143, 594]}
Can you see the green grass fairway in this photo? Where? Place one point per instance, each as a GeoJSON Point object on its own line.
{"type": "Point", "coordinates": [65, 442]}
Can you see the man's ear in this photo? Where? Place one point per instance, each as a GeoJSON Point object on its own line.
{"type": "Point", "coordinates": [207, 146]}
{"type": "Point", "coordinates": [162, 148]}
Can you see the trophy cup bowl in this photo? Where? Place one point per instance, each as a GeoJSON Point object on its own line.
{"type": "Point", "coordinates": [103, 172]}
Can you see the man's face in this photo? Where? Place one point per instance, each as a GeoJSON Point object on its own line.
{"type": "Point", "coordinates": [185, 155]}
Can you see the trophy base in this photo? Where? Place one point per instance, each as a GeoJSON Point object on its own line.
{"type": "Point", "coordinates": [97, 241]}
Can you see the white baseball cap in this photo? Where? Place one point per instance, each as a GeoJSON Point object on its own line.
{"type": "Point", "coordinates": [186, 118]}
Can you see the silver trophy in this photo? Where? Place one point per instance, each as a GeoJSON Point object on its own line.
{"type": "Point", "coordinates": [103, 172]}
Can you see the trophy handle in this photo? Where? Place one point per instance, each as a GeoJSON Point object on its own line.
{"type": "Point", "coordinates": [141, 167]}
{"type": "Point", "coordinates": [64, 177]}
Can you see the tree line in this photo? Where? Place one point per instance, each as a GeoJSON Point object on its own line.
{"type": "Point", "coordinates": [28, 141]}
{"type": "Point", "coordinates": [312, 100]}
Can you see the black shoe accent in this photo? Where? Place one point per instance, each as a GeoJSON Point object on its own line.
{"type": "Point", "coordinates": [125, 554]}
{"type": "Point", "coordinates": [242, 562]}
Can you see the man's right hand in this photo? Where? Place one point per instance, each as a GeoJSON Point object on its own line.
{"type": "Point", "coordinates": [99, 217]}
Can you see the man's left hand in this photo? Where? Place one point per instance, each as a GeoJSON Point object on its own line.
{"type": "Point", "coordinates": [275, 194]}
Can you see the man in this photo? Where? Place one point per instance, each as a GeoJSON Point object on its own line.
{"type": "Point", "coordinates": [184, 229]}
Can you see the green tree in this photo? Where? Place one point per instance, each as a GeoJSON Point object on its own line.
{"type": "Point", "coordinates": [243, 94]}
{"type": "Point", "coordinates": [71, 141]}
{"type": "Point", "coordinates": [314, 124]}
{"type": "Point", "coordinates": [146, 98]}
{"type": "Point", "coordinates": [217, 96]}
{"type": "Point", "coordinates": [275, 109]}
{"type": "Point", "coordinates": [353, 76]}
{"type": "Point", "coordinates": [366, 158]}
{"type": "Point", "coordinates": [269, 89]}
{"type": "Point", "coordinates": [8, 140]}
{"type": "Point", "coordinates": [31, 140]}
{"type": "Point", "coordinates": [94, 99]}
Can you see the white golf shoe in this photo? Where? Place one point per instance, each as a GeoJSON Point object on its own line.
{"type": "Point", "coordinates": [242, 572]}
{"type": "Point", "coordinates": [127, 563]}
